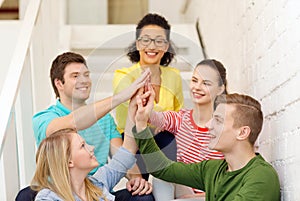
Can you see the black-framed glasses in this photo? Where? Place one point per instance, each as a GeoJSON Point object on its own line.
{"type": "Point", "coordinates": [146, 40]}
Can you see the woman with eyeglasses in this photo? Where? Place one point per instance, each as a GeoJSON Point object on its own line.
{"type": "Point", "coordinates": [152, 49]}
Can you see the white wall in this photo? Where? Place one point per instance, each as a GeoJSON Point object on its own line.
{"type": "Point", "coordinates": [9, 31]}
{"type": "Point", "coordinates": [174, 14]}
{"type": "Point", "coordinates": [258, 41]}
{"type": "Point", "coordinates": [86, 12]}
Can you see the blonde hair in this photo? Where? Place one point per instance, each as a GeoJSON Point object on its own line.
{"type": "Point", "coordinates": [52, 167]}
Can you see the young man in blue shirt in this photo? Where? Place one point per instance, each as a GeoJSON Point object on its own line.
{"type": "Point", "coordinates": [71, 82]}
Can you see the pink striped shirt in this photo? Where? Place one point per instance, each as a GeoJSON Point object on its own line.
{"type": "Point", "coordinates": [192, 140]}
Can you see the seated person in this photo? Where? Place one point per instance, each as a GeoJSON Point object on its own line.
{"type": "Point", "coordinates": [188, 126]}
{"type": "Point", "coordinates": [70, 78]}
{"type": "Point", "coordinates": [234, 128]}
{"type": "Point", "coordinates": [64, 160]}
{"type": "Point", "coordinates": [152, 49]}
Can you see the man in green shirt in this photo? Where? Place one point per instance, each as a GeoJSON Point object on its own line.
{"type": "Point", "coordinates": [233, 130]}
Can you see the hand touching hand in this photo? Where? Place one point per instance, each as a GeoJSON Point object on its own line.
{"type": "Point", "coordinates": [132, 89]}
{"type": "Point", "coordinates": [144, 107]}
{"type": "Point", "coordinates": [139, 186]}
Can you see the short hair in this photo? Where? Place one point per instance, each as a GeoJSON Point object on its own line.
{"type": "Point", "coordinates": [247, 112]}
{"type": "Point", "coordinates": [59, 64]}
{"type": "Point", "coordinates": [152, 19]}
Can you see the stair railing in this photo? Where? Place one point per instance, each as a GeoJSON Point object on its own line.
{"type": "Point", "coordinates": [18, 99]}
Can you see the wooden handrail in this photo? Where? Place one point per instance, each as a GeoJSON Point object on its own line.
{"type": "Point", "coordinates": [201, 39]}
{"type": "Point", "coordinates": [11, 83]}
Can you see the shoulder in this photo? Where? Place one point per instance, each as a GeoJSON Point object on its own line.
{"type": "Point", "coordinates": [51, 109]}
{"type": "Point", "coordinates": [127, 70]}
{"type": "Point", "coordinates": [171, 74]}
{"type": "Point", "coordinates": [181, 112]}
{"type": "Point", "coordinates": [262, 167]}
{"type": "Point", "coordinates": [101, 185]}
{"type": "Point", "coordinates": [96, 181]}
{"type": "Point", "coordinates": [126, 75]}
{"type": "Point", "coordinates": [56, 110]}
{"type": "Point", "coordinates": [185, 111]}
{"type": "Point", "coordinates": [47, 194]}
{"type": "Point", "coordinates": [169, 69]}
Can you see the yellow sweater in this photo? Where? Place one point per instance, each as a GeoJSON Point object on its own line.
{"type": "Point", "coordinates": [170, 95]}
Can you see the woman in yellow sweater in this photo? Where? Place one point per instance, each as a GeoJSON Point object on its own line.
{"type": "Point", "coordinates": [152, 49]}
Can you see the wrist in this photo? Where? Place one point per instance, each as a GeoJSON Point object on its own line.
{"type": "Point", "coordinates": [119, 98]}
{"type": "Point", "coordinates": [140, 126]}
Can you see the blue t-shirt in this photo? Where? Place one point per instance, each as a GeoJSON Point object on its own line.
{"type": "Point", "coordinates": [98, 135]}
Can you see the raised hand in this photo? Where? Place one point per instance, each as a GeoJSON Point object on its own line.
{"type": "Point", "coordinates": [145, 104]}
{"type": "Point", "coordinates": [127, 93]}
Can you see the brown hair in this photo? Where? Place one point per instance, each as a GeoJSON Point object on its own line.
{"type": "Point", "coordinates": [59, 64]}
{"type": "Point", "coordinates": [247, 112]}
{"type": "Point", "coordinates": [218, 66]}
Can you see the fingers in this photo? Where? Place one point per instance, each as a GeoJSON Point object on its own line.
{"type": "Point", "coordinates": [139, 186]}
{"type": "Point", "coordinates": [147, 189]}
{"type": "Point", "coordinates": [144, 78]}
{"type": "Point", "coordinates": [152, 93]}
{"type": "Point", "coordinates": [139, 102]}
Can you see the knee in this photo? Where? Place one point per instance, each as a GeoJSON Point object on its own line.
{"type": "Point", "coordinates": [143, 198]}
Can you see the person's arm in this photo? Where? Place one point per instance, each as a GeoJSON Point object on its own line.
{"type": "Point", "coordinates": [40, 122]}
{"type": "Point", "coordinates": [136, 184]}
{"type": "Point", "coordinates": [87, 115]}
{"type": "Point", "coordinates": [157, 163]}
{"type": "Point", "coordinates": [161, 167]}
{"type": "Point", "coordinates": [166, 121]}
{"type": "Point", "coordinates": [115, 144]}
{"type": "Point", "coordinates": [111, 173]}
{"type": "Point", "coordinates": [122, 79]}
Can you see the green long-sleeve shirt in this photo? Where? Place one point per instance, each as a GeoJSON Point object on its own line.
{"type": "Point", "coordinates": [256, 181]}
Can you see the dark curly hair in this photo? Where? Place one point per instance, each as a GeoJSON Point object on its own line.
{"type": "Point", "coordinates": [152, 19]}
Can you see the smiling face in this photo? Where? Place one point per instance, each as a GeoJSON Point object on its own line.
{"type": "Point", "coordinates": [82, 154]}
{"type": "Point", "coordinates": [204, 85]}
{"type": "Point", "coordinates": [77, 83]}
{"type": "Point", "coordinates": [151, 54]}
{"type": "Point", "coordinates": [221, 129]}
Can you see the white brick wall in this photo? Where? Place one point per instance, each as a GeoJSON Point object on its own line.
{"type": "Point", "coordinates": [259, 43]}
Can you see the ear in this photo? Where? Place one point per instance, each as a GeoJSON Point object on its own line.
{"type": "Point", "coordinates": [244, 133]}
{"type": "Point", "coordinates": [167, 47]}
{"type": "Point", "coordinates": [222, 89]}
{"type": "Point", "coordinates": [58, 83]}
{"type": "Point", "coordinates": [71, 164]}
{"type": "Point", "coordinates": [137, 45]}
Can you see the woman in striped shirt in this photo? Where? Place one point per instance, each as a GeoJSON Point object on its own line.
{"type": "Point", "coordinates": [188, 125]}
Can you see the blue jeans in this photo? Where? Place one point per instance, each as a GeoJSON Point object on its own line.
{"type": "Point", "coordinates": [125, 195]}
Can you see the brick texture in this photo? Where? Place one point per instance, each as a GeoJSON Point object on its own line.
{"type": "Point", "coordinates": [258, 42]}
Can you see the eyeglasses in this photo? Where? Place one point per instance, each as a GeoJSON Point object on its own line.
{"type": "Point", "coordinates": [146, 40]}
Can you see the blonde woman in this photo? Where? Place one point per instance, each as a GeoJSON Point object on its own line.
{"type": "Point", "coordinates": [64, 160]}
